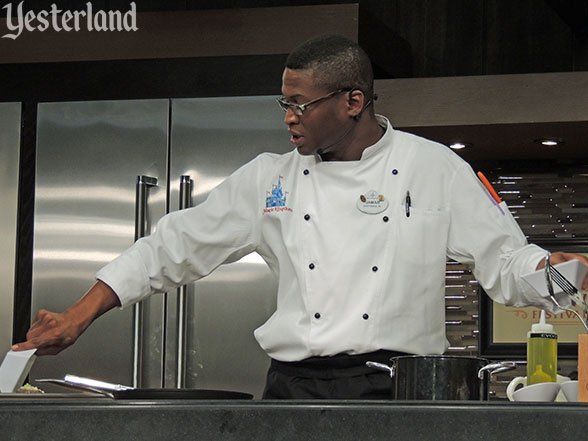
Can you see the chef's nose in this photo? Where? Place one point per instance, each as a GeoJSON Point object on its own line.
{"type": "Point", "coordinates": [291, 117]}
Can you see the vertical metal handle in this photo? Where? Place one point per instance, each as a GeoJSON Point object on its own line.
{"type": "Point", "coordinates": [142, 191]}
{"type": "Point", "coordinates": [185, 202]}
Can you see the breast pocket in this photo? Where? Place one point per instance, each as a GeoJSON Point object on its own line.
{"type": "Point", "coordinates": [421, 237]}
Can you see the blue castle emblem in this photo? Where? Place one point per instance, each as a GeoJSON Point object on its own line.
{"type": "Point", "coordinates": [277, 198]}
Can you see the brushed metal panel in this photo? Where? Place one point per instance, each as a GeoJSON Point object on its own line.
{"type": "Point", "coordinates": [89, 155]}
{"type": "Point", "coordinates": [9, 163]}
{"type": "Point", "coordinates": [482, 100]}
{"type": "Point", "coordinates": [211, 138]}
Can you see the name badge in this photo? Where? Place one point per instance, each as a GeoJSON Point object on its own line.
{"type": "Point", "coordinates": [372, 202]}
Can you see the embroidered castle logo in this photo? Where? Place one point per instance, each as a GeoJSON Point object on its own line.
{"type": "Point", "coordinates": [275, 199]}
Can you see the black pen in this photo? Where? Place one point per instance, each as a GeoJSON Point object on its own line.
{"type": "Point", "coordinates": [407, 204]}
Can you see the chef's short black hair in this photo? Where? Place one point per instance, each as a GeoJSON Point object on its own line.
{"type": "Point", "coordinates": [336, 63]}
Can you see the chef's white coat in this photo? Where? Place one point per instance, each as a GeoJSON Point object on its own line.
{"type": "Point", "coordinates": [349, 281]}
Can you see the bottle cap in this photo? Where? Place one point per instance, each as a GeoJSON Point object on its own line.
{"type": "Point", "coordinates": [542, 326]}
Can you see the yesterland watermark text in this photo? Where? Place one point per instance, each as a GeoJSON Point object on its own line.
{"type": "Point", "coordinates": [17, 20]}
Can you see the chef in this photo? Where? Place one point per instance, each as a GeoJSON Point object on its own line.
{"type": "Point", "coordinates": [356, 223]}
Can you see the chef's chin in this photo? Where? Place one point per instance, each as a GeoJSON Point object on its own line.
{"type": "Point", "coordinates": [304, 151]}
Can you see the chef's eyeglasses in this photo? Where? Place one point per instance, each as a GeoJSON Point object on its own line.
{"type": "Point", "coordinates": [299, 109]}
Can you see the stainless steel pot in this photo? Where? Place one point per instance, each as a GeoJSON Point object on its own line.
{"type": "Point", "coordinates": [441, 377]}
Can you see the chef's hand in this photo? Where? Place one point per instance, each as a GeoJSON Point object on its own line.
{"type": "Point", "coordinates": [560, 257]}
{"type": "Point", "coordinates": [52, 332]}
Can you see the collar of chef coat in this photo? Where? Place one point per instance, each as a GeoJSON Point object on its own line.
{"type": "Point", "coordinates": [385, 140]}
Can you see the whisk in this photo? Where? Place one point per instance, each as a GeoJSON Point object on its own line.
{"type": "Point", "coordinates": [553, 275]}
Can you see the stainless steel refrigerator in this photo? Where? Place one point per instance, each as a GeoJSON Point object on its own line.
{"type": "Point", "coordinates": [106, 172]}
{"type": "Point", "coordinates": [10, 120]}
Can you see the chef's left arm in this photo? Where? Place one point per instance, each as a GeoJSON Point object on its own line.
{"type": "Point", "coordinates": [484, 235]}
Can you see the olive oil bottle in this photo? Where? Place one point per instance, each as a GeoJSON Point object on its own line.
{"type": "Point", "coordinates": [541, 353]}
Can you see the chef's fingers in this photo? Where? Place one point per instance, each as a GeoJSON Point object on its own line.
{"type": "Point", "coordinates": [50, 343]}
{"type": "Point", "coordinates": [560, 257]}
{"type": "Point", "coordinates": [43, 321]}
{"type": "Point", "coordinates": [585, 260]}
{"type": "Point", "coordinates": [24, 346]}
{"type": "Point", "coordinates": [41, 350]}
{"type": "Point", "coordinates": [50, 333]}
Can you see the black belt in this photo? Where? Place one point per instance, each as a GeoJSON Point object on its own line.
{"type": "Point", "coordinates": [335, 366]}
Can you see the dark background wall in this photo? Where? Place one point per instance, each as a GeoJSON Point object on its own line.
{"type": "Point", "coordinates": [429, 38]}
{"type": "Point", "coordinates": [477, 37]}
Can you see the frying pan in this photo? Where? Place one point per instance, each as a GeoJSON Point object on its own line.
{"type": "Point", "coordinates": [121, 392]}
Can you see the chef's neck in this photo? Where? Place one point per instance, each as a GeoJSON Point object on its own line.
{"type": "Point", "coordinates": [364, 133]}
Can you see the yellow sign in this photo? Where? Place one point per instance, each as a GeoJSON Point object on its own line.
{"type": "Point", "coordinates": [510, 325]}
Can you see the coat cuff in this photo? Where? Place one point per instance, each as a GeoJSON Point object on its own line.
{"type": "Point", "coordinates": [128, 278]}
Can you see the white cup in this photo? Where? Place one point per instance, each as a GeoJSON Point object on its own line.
{"type": "Point", "coordinates": [537, 392]}
{"type": "Point", "coordinates": [570, 390]}
{"type": "Point", "coordinates": [512, 386]}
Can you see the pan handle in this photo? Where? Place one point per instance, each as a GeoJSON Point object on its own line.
{"type": "Point", "coordinates": [79, 387]}
{"type": "Point", "coordinates": [496, 368]}
{"type": "Point", "coordinates": [86, 384]}
{"type": "Point", "coordinates": [97, 384]}
{"type": "Point", "coordinates": [381, 367]}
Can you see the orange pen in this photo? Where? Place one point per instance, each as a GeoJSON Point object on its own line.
{"type": "Point", "coordinates": [489, 187]}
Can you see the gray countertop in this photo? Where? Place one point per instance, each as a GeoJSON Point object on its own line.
{"type": "Point", "coordinates": [79, 417]}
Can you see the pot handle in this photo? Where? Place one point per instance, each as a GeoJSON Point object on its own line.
{"type": "Point", "coordinates": [381, 367]}
{"type": "Point", "coordinates": [496, 368]}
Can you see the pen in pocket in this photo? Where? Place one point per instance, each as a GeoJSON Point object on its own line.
{"type": "Point", "coordinates": [493, 195]}
{"type": "Point", "coordinates": [407, 204]}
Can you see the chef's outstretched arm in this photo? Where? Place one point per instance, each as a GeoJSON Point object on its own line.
{"type": "Point", "coordinates": [52, 332]}
{"type": "Point", "coordinates": [560, 257]}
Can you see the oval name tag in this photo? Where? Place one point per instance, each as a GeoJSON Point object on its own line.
{"type": "Point", "coordinates": [372, 202]}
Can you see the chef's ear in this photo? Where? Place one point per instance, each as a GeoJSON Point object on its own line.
{"type": "Point", "coordinates": [355, 102]}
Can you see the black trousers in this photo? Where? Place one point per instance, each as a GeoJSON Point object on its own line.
{"type": "Point", "coordinates": [341, 377]}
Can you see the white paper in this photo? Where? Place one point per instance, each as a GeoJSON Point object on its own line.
{"type": "Point", "coordinates": [15, 368]}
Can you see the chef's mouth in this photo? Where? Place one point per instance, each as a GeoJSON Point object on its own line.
{"type": "Point", "coordinates": [296, 139]}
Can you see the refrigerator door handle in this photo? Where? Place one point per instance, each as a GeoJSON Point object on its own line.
{"type": "Point", "coordinates": [142, 192]}
{"type": "Point", "coordinates": [185, 202]}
